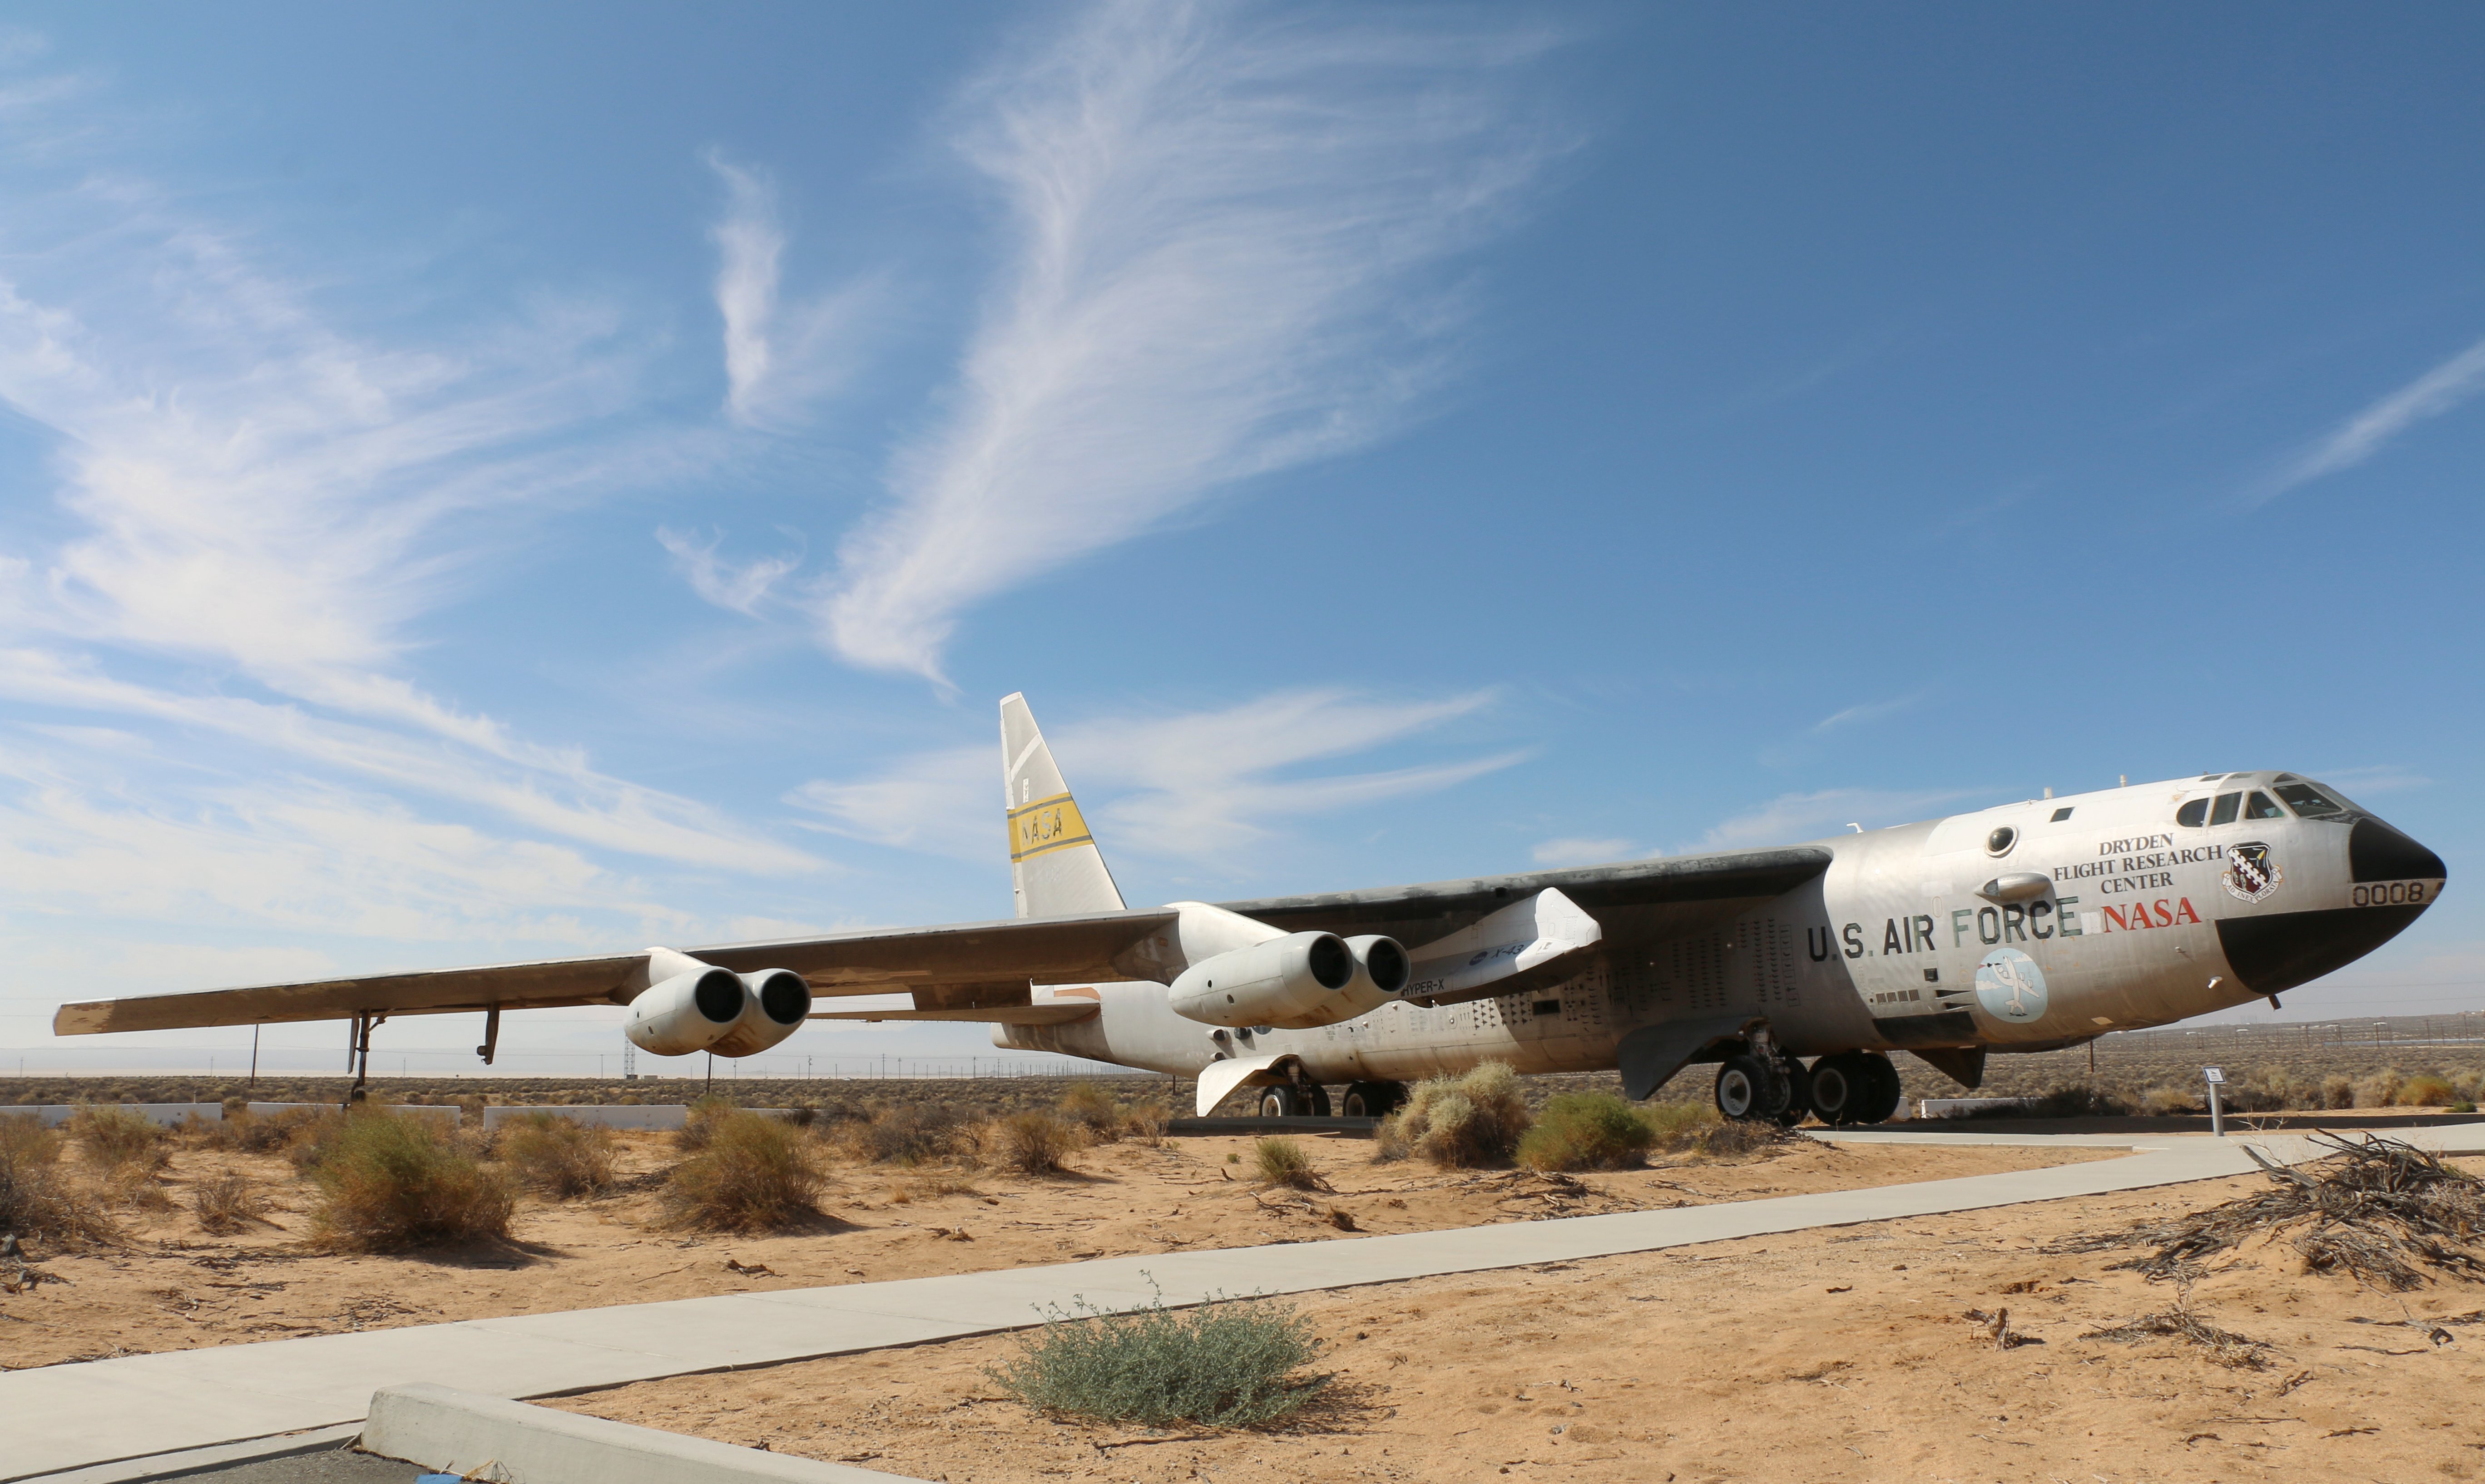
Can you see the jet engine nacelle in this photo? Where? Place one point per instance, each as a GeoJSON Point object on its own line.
{"type": "Point", "coordinates": [1295, 981]}
{"type": "Point", "coordinates": [701, 1007]}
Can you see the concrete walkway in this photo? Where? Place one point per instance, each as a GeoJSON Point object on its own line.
{"type": "Point", "coordinates": [60, 1418]}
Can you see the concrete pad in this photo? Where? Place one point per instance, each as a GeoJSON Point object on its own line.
{"type": "Point", "coordinates": [458, 1432]}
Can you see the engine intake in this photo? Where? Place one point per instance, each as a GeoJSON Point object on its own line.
{"type": "Point", "coordinates": [776, 1002]}
{"type": "Point", "coordinates": [689, 1012]}
{"type": "Point", "coordinates": [1297, 982]}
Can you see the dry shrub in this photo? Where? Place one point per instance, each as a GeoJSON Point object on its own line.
{"type": "Point", "coordinates": [1733, 1138]}
{"type": "Point", "coordinates": [2162, 1101]}
{"type": "Point", "coordinates": [2380, 1089]}
{"type": "Point", "coordinates": [908, 1134]}
{"type": "Point", "coordinates": [2338, 1090]}
{"type": "Point", "coordinates": [137, 1186]}
{"type": "Point", "coordinates": [387, 1182]}
{"type": "Point", "coordinates": [1678, 1126]}
{"type": "Point", "coordinates": [1030, 1143]}
{"type": "Point", "coordinates": [701, 1122]}
{"type": "Point", "coordinates": [2074, 1101]}
{"type": "Point", "coordinates": [1147, 1122]}
{"type": "Point", "coordinates": [2237, 1352]}
{"type": "Point", "coordinates": [2426, 1091]}
{"type": "Point", "coordinates": [1460, 1123]}
{"type": "Point", "coordinates": [752, 1173]}
{"type": "Point", "coordinates": [1094, 1110]}
{"type": "Point", "coordinates": [228, 1203]}
{"type": "Point", "coordinates": [112, 1138]}
{"type": "Point", "coordinates": [1586, 1131]}
{"type": "Point", "coordinates": [558, 1157]}
{"type": "Point", "coordinates": [35, 1203]}
{"type": "Point", "coordinates": [311, 1133]}
{"type": "Point", "coordinates": [1283, 1162]}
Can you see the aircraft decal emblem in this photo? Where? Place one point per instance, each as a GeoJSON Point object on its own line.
{"type": "Point", "coordinates": [2010, 984]}
{"type": "Point", "coordinates": [2251, 874]}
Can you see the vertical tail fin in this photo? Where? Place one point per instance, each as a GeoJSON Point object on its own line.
{"type": "Point", "coordinates": [1055, 868]}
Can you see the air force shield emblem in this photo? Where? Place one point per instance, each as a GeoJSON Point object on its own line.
{"type": "Point", "coordinates": [2251, 874]}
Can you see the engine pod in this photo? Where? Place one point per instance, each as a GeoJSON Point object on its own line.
{"type": "Point", "coordinates": [1295, 980]}
{"type": "Point", "coordinates": [690, 1012]}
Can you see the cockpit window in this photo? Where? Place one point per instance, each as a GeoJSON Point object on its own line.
{"type": "Point", "coordinates": [2258, 806]}
{"type": "Point", "coordinates": [2310, 802]}
{"type": "Point", "coordinates": [2193, 815]}
{"type": "Point", "coordinates": [2224, 811]}
{"type": "Point", "coordinates": [2061, 814]}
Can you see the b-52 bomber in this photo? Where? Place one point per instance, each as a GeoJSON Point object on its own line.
{"type": "Point", "coordinates": [1796, 971]}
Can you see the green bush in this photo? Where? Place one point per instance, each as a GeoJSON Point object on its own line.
{"type": "Point", "coordinates": [114, 1137]}
{"type": "Point", "coordinates": [1586, 1131]}
{"type": "Point", "coordinates": [1230, 1363]}
{"type": "Point", "coordinates": [1031, 1143]}
{"type": "Point", "coordinates": [387, 1182]}
{"type": "Point", "coordinates": [2426, 1091]}
{"type": "Point", "coordinates": [1283, 1162]}
{"type": "Point", "coordinates": [558, 1157]}
{"type": "Point", "coordinates": [754, 1174]}
{"type": "Point", "coordinates": [35, 1203]}
{"type": "Point", "coordinates": [1459, 1122]}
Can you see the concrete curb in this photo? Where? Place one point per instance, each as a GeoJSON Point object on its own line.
{"type": "Point", "coordinates": [486, 1438]}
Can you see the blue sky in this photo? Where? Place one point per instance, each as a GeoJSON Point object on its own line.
{"type": "Point", "coordinates": [481, 485]}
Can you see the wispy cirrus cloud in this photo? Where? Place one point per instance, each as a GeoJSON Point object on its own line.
{"type": "Point", "coordinates": [778, 356]}
{"type": "Point", "coordinates": [1222, 224]}
{"type": "Point", "coordinates": [1191, 787]}
{"type": "Point", "coordinates": [2361, 436]}
{"type": "Point", "coordinates": [738, 585]}
{"type": "Point", "coordinates": [275, 505]}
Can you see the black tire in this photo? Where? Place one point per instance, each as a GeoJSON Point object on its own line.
{"type": "Point", "coordinates": [1838, 1089]}
{"type": "Point", "coordinates": [1373, 1099]}
{"type": "Point", "coordinates": [1277, 1103]}
{"type": "Point", "coordinates": [1748, 1087]}
{"type": "Point", "coordinates": [1318, 1105]}
{"type": "Point", "coordinates": [1880, 1087]}
{"type": "Point", "coordinates": [1798, 1081]}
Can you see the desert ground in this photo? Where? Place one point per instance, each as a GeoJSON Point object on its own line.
{"type": "Point", "coordinates": [1857, 1354]}
{"type": "Point", "coordinates": [172, 1286]}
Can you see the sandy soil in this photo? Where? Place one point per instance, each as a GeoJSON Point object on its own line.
{"type": "Point", "coordinates": [1838, 1355]}
{"type": "Point", "coordinates": [176, 1287]}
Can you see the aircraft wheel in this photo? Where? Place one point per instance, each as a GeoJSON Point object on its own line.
{"type": "Point", "coordinates": [1838, 1088]}
{"type": "Point", "coordinates": [1373, 1099]}
{"type": "Point", "coordinates": [1277, 1103]}
{"type": "Point", "coordinates": [1318, 1105]}
{"type": "Point", "coordinates": [1880, 1088]}
{"type": "Point", "coordinates": [1798, 1084]}
{"type": "Point", "coordinates": [1748, 1087]}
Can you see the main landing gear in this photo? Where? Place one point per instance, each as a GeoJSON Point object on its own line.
{"type": "Point", "coordinates": [1310, 1100]}
{"type": "Point", "coordinates": [1373, 1099]}
{"type": "Point", "coordinates": [1853, 1086]}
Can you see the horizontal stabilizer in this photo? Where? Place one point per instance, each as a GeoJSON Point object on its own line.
{"type": "Point", "coordinates": [1537, 933]}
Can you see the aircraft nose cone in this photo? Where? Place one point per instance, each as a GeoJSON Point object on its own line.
{"type": "Point", "coordinates": [2376, 852]}
{"type": "Point", "coordinates": [2276, 951]}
